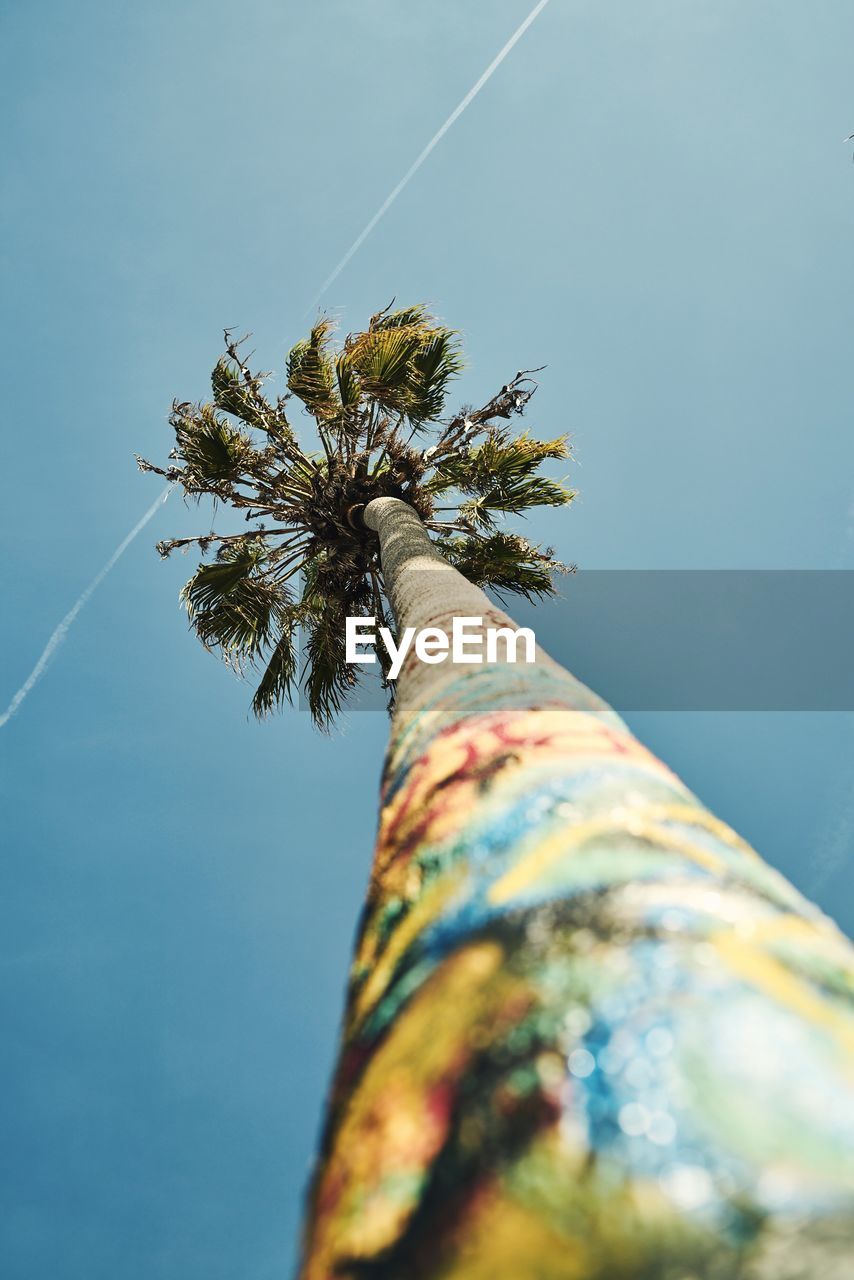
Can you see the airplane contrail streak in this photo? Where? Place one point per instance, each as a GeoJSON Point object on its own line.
{"type": "Point", "coordinates": [60, 632]}
{"type": "Point", "coordinates": [431, 145]}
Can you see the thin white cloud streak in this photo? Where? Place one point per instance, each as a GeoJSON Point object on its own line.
{"type": "Point", "coordinates": [431, 145]}
{"type": "Point", "coordinates": [61, 631]}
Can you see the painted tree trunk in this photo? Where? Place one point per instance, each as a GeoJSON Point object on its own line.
{"type": "Point", "coordinates": [589, 1034]}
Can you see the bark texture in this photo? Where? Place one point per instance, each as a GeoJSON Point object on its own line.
{"type": "Point", "coordinates": [590, 1034]}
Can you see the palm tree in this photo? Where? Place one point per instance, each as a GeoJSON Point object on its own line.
{"type": "Point", "coordinates": [373, 402]}
{"type": "Point", "coordinates": [589, 1034]}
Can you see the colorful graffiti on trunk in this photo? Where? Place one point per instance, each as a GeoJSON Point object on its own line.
{"type": "Point", "coordinates": [590, 1034]}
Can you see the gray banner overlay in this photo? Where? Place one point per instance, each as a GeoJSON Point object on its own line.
{"type": "Point", "coordinates": [696, 640]}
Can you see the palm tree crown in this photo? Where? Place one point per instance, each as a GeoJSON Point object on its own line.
{"type": "Point", "coordinates": [309, 561]}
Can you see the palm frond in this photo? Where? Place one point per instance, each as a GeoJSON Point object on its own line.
{"type": "Point", "coordinates": [278, 683]}
{"type": "Point", "coordinates": [436, 361]}
{"type": "Point", "coordinates": [382, 359]}
{"type": "Point", "coordinates": [233, 604]}
{"type": "Point", "coordinates": [349, 390]}
{"type": "Point", "coordinates": [214, 452]}
{"type": "Point", "coordinates": [212, 582]}
{"type": "Point", "coordinates": [405, 318]}
{"type": "Point", "coordinates": [311, 372]}
{"type": "Point", "coordinates": [507, 562]}
{"type": "Point", "coordinates": [499, 474]}
{"type": "Point", "coordinates": [327, 677]}
{"type": "Point", "coordinates": [232, 394]}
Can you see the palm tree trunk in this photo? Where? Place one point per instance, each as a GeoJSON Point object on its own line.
{"type": "Point", "coordinates": [589, 1034]}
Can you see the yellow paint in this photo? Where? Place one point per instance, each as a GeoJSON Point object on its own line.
{"type": "Point", "coordinates": [694, 816]}
{"type": "Point", "coordinates": [504, 1238]}
{"type": "Point", "coordinates": [764, 971]}
{"type": "Point", "coordinates": [389, 1134]}
{"type": "Point", "coordinates": [568, 840]}
{"type": "Point", "coordinates": [821, 936]}
{"type": "Point", "coordinates": [425, 910]}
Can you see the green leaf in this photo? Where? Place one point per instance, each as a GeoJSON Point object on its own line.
{"type": "Point", "coordinates": [327, 677]}
{"type": "Point", "coordinates": [233, 604]}
{"type": "Point", "coordinates": [278, 683]}
{"type": "Point", "coordinates": [504, 561]}
{"type": "Point", "coordinates": [311, 373]}
{"type": "Point", "coordinates": [214, 451]}
{"type": "Point", "coordinates": [499, 475]}
{"type": "Point", "coordinates": [436, 361]}
{"type": "Point", "coordinates": [382, 359]}
{"type": "Point", "coordinates": [349, 390]}
{"type": "Point", "coordinates": [232, 395]}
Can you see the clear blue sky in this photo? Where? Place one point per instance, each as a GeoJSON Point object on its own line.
{"type": "Point", "coordinates": [654, 200]}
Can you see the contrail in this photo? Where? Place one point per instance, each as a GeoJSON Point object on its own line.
{"type": "Point", "coordinates": [61, 631]}
{"type": "Point", "coordinates": [434, 142]}
{"type": "Point", "coordinates": [59, 634]}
